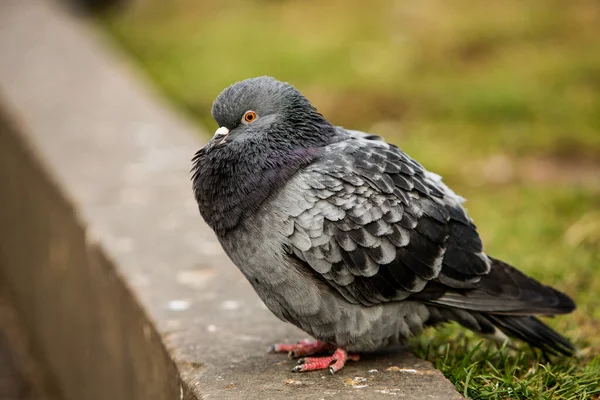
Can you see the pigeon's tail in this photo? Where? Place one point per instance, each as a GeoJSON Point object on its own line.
{"type": "Point", "coordinates": [503, 304]}
{"type": "Point", "coordinates": [501, 328]}
{"type": "Point", "coordinates": [533, 331]}
{"type": "Point", "coordinates": [537, 299]}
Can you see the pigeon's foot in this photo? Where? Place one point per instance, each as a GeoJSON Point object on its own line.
{"type": "Point", "coordinates": [302, 348]}
{"type": "Point", "coordinates": [334, 362]}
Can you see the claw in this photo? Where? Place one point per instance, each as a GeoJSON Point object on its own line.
{"type": "Point", "coordinates": [332, 363]}
{"type": "Point", "coordinates": [305, 348]}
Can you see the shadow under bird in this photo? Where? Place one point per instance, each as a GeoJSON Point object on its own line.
{"type": "Point", "coordinates": [348, 238]}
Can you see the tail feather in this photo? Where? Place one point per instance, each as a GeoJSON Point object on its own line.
{"type": "Point", "coordinates": [503, 302]}
{"type": "Point", "coordinates": [500, 327]}
{"type": "Point", "coordinates": [533, 331]}
{"type": "Point", "coordinates": [506, 290]}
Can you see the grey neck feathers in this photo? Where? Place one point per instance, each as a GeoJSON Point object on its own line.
{"type": "Point", "coordinates": [232, 182]}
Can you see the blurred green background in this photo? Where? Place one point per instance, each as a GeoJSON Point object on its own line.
{"type": "Point", "coordinates": [500, 98]}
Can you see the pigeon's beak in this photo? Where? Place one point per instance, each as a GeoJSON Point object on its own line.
{"type": "Point", "coordinates": [221, 134]}
{"type": "Point", "coordinates": [218, 140]}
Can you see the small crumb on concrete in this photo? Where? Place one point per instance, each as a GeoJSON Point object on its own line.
{"type": "Point", "coordinates": [412, 371]}
{"type": "Point", "coordinates": [211, 328]}
{"type": "Point", "coordinates": [373, 371]}
{"type": "Point", "coordinates": [357, 382]}
{"type": "Point", "coordinates": [393, 392]}
{"type": "Point", "coordinates": [292, 382]}
{"type": "Point", "coordinates": [179, 305]}
{"type": "Point", "coordinates": [398, 369]}
{"type": "Point", "coordinates": [230, 305]}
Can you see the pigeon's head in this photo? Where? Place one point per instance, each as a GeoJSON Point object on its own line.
{"type": "Point", "coordinates": [266, 109]}
{"type": "Point", "coordinates": [267, 131]}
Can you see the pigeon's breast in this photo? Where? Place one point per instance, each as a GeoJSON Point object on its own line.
{"type": "Point", "coordinates": [256, 246]}
{"type": "Point", "coordinates": [294, 294]}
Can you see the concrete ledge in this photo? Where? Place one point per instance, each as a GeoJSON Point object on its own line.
{"type": "Point", "coordinates": [124, 290]}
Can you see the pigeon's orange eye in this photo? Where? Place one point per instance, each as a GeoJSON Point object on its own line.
{"type": "Point", "coordinates": [250, 116]}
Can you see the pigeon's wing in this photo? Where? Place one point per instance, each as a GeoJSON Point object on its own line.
{"type": "Point", "coordinates": [378, 227]}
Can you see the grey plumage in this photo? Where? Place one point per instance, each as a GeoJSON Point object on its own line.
{"type": "Point", "coordinates": [349, 238]}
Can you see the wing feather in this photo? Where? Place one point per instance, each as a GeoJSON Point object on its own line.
{"type": "Point", "coordinates": [378, 227]}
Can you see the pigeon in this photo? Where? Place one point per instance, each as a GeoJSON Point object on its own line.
{"type": "Point", "coordinates": [348, 238]}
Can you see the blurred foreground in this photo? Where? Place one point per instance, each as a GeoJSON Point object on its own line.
{"type": "Point", "coordinates": [21, 376]}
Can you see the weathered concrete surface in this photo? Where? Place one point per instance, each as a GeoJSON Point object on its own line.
{"type": "Point", "coordinates": [126, 291]}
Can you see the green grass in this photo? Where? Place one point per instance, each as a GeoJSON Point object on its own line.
{"type": "Point", "coordinates": [482, 371]}
{"type": "Point", "coordinates": [501, 98]}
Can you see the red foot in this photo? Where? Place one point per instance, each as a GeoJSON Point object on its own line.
{"type": "Point", "coordinates": [302, 348]}
{"type": "Point", "coordinates": [334, 362]}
